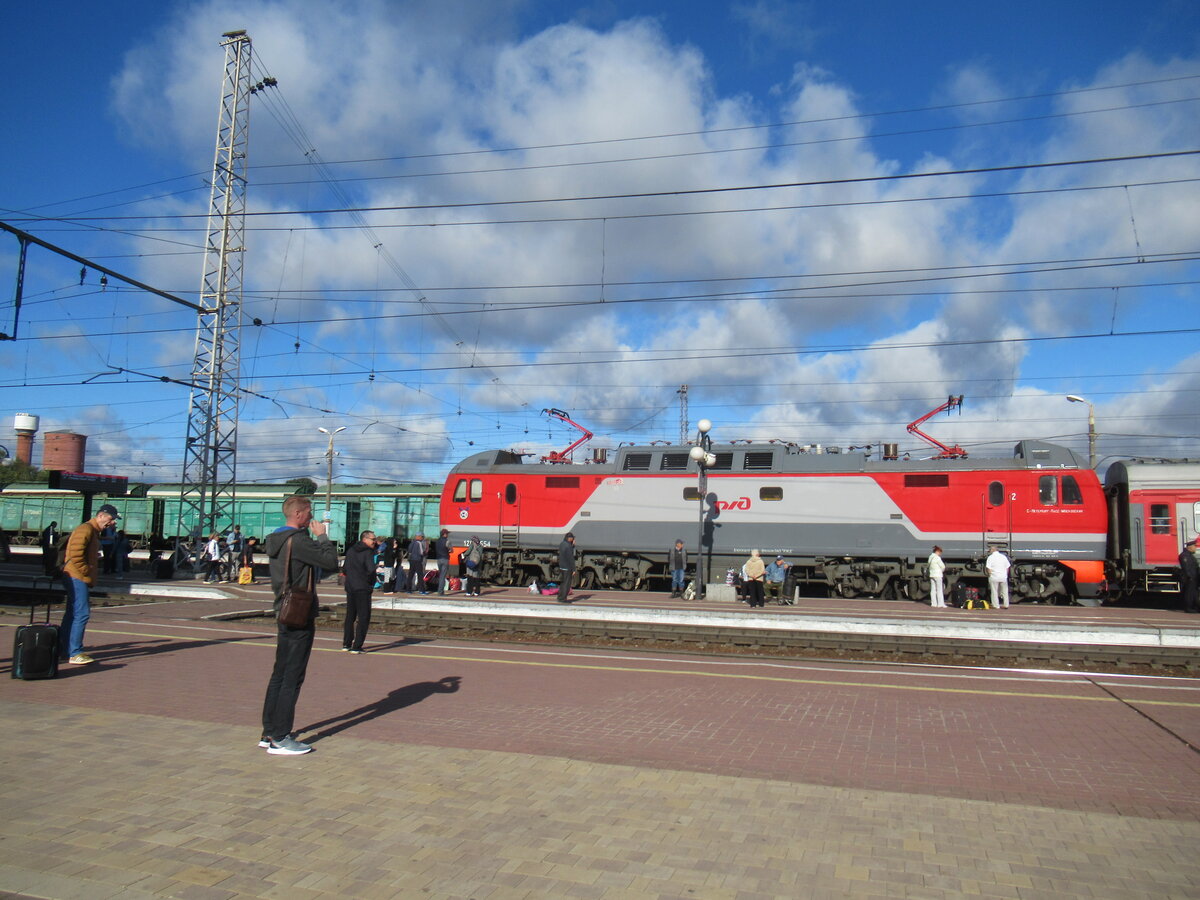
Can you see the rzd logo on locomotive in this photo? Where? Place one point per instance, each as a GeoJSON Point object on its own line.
{"type": "Point", "coordinates": [739, 503]}
{"type": "Point", "coordinates": [463, 513]}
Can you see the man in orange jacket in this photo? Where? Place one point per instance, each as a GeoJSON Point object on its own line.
{"type": "Point", "coordinates": [79, 575]}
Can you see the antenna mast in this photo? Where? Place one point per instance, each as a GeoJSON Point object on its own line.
{"type": "Point", "coordinates": [683, 414]}
{"type": "Point", "coordinates": [210, 452]}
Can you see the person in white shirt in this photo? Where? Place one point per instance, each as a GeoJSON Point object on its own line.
{"type": "Point", "coordinates": [997, 572]}
{"type": "Point", "coordinates": [937, 594]}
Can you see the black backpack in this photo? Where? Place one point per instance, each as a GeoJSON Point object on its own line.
{"type": "Point", "coordinates": [60, 554]}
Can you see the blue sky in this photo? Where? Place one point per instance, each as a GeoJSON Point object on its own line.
{"type": "Point", "coordinates": [831, 313]}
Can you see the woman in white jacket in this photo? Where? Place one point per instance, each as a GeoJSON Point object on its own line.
{"type": "Point", "coordinates": [937, 594]}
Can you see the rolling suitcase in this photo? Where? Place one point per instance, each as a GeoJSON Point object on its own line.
{"type": "Point", "coordinates": [35, 649]}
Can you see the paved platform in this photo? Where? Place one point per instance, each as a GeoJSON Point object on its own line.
{"type": "Point", "coordinates": [1109, 626]}
{"type": "Point", "coordinates": [458, 770]}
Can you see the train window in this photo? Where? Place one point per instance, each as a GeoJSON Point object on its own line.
{"type": "Point", "coordinates": [1071, 495]}
{"type": "Point", "coordinates": [460, 491]}
{"type": "Point", "coordinates": [927, 480]}
{"type": "Point", "coordinates": [1160, 518]}
{"type": "Point", "coordinates": [724, 461]}
{"type": "Point", "coordinates": [770, 493]}
{"type": "Point", "coordinates": [1048, 490]}
{"type": "Point", "coordinates": [674, 461]}
{"type": "Point", "coordinates": [510, 493]}
{"type": "Point", "coordinates": [562, 481]}
{"type": "Point", "coordinates": [759, 459]}
{"type": "Point", "coordinates": [476, 490]}
{"type": "Point", "coordinates": [637, 462]}
{"type": "Point", "coordinates": [995, 494]}
{"type": "Point", "coordinates": [691, 493]}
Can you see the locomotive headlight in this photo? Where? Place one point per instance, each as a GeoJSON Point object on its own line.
{"type": "Point", "coordinates": [710, 459]}
{"type": "Point", "coordinates": [704, 426]}
{"type": "Point", "coordinates": [697, 453]}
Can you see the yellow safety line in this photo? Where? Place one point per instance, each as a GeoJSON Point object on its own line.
{"type": "Point", "coordinates": [734, 675]}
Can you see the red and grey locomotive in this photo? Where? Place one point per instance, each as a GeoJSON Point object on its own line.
{"type": "Point", "coordinates": [850, 524]}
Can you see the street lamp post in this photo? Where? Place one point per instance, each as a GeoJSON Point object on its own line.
{"type": "Point", "coordinates": [1091, 427]}
{"type": "Point", "coordinates": [329, 475]}
{"type": "Point", "coordinates": [703, 455]}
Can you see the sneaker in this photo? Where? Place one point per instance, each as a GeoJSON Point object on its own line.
{"type": "Point", "coordinates": [288, 747]}
{"type": "Point", "coordinates": [81, 659]}
{"type": "Point", "coordinates": [345, 649]}
{"type": "Point", "coordinates": [358, 652]}
{"type": "Point", "coordinates": [264, 743]}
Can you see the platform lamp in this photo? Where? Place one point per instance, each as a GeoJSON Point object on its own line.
{"type": "Point", "coordinates": [1091, 427]}
{"type": "Point", "coordinates": [703, 455]}
{"type": "Point", "coordinates": [329, 475]}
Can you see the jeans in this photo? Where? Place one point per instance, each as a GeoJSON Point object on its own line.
{"type": "Point", "coordinates": [416, 576]}
{"type": "Point", "coordinates": [293, 646]}
{"type": "Point", "coordinates": [358, 618]}
{"type": "Point", "coordinates": [75, 619]}
{"type": "Point", "coordinates": [564, 586]}
{"type": "Point", "coordinates": [443, 575]}
{"type": "Point", "coordinates": [677, 580]}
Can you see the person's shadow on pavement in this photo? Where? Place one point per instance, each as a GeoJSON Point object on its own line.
{"type": "Point", "coordinates": [397, 699]}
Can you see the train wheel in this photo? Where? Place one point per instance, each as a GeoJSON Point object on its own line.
{"type": "Point", "coordinates": [587, 581]}
{"type": "Point", "coordinates": [889, 592]}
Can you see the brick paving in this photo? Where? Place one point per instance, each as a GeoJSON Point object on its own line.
{"type": "Point", "coordinates": [492, 771]}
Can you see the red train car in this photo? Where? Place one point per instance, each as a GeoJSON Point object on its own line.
{"type": "Point", "coordinates": [1154, 507]}
{"type": "Point", "coordinates": [852, 525]}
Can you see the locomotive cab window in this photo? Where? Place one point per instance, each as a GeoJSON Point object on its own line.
{"type": "Point", "coordinates": [1160, 518]}
{"type": "Point", "coordinates": [995, 493]}
{"type": "Point", "coordinates": [1071, 495]}
{"type": "Point", "coordinates": [460, 491]}
{"type": "Point", "coordinates": [476, 490]}
{"type": "Point", "coordinates": [1048, 490]}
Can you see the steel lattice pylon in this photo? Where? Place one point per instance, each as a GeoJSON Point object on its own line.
{"type": "Point", "coordinates": [210, 452]}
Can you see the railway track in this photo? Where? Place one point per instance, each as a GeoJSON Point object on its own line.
{"type": "Point", "coordinates": [774, 642]}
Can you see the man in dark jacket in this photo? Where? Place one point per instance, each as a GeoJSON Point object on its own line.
{"type": "Point", "coordinates": [442, 551]}
{"type": "Point", "coordinates": [416, 564]}
{"type": "Point", "coordinates": [1191, 576]}
{"type": "Point", "coordinates": [49, 545]}
{"type": "Point", "coordinates": [359, 569]}
{"type": "Point", "coordinates": [293, 646]}
{"type": "Point", "coordinates": [566, 563]}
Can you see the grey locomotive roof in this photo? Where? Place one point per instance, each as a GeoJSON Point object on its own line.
{"type": "Point", "coordinates": [768, 457]}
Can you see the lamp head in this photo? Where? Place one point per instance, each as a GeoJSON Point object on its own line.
{"type": "Point", "coordinates": [1075, 399]}
{"type": "Point", "coordinates": [697, 453]}
{"type": "Point", "coordinates": [704, 426]}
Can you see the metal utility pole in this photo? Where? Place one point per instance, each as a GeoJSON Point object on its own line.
{"type": "Point", "coordinates": [210, 451]}
{"type": "Point", "coordinates": [683, 414]}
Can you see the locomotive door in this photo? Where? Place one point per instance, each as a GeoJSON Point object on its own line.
{"type": "Point", "coordinates": [1159, 534]}
{"type": "Point", "coordinates": [997, 515]}
{"type": "Point", "coordinates": [509, 517]}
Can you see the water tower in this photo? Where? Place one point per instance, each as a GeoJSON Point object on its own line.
{"type": "Point", "coordinates": [26, 427]}
{"type": "Point", "coordinates": [64, 450]}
